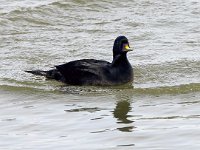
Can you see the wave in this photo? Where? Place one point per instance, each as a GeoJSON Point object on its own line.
{"type": "Point", "coordinates": [36, 14]}
{"type": "Point", "coordinates": [52, 13]}
{"type": "Point", "coordinates": [178, 89]}
{"type": "Point", "coordinates": [174, 73]}
{"type": "Point", "coordinates": [56, 87]}
{"type": "Point", "coordinates": [53, 6]}
{"type": "Point", "coordinates": [22, 6]}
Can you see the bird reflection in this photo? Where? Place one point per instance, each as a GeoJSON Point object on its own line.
{"type": "Point", "coordinates": [121, 114]}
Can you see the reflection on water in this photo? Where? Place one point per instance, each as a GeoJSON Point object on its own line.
{"type": "Point", "coordinates": [121, 114]}
{"type": "Point", "coordinates": [121, 110]}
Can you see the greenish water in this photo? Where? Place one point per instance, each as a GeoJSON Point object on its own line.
{"type": "Point", "coordinates": [159, 110]}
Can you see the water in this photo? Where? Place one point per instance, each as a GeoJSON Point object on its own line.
{"type": "Point", "coordinates": [160, 109]}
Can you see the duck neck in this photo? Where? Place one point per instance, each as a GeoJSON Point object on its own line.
{"type": "Point", "coordinates": [120, 59]}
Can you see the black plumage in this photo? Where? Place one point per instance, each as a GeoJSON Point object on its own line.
{"type": "Point", "coordinates": [95, 72]}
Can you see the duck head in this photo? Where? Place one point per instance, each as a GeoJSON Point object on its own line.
{"type": "Point", "coordinates": [121, 46]}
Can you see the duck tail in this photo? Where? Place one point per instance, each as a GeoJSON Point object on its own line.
{"type": "Point", "coordinates": [50, 74]}
{"type": "Point", "coordinates": [37, 72]}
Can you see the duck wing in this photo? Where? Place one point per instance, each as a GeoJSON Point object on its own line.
{"type": "Point", "coordinates": [83, 72]}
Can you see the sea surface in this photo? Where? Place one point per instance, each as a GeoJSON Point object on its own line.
{"type": "Point", "coordinates": [159, 110]}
